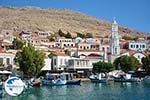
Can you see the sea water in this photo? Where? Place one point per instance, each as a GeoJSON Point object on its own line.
{"type": "Point", "coordinates": [86, 91]}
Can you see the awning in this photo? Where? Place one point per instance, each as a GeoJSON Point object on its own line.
{"type": "Point", "coordinates": [47, 66]}
{"type": "Point", "coordinates": [5, 72]}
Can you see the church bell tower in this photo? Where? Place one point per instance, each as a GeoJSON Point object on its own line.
{"type": "Point", "coordinates": [114, 39]}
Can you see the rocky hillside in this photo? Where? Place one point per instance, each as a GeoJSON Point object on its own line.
{"type": "Point", "coordinates": [38, 19]}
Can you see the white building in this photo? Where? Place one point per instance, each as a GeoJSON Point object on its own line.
{"type": "Point", "coordinates": [87, 52]}
{"type": "Point", "coordinates": [76, 64]}
{"type": "Point", "coordinates": [139, 56]}
{"type": "Point", "coordinates": [47, 66]}
{"type": "Point", "coordinates": [43, 34]}
{"type": "Point", "coordinates": [65, 43]}
{"type": "Point", "coordinates": [6, 59]}
{"type": "Point", "coordinates": [25, 36]}
{"type": "Point", "coordinates": [138, 46]}
{"type": "Point", "coordinates": [83, 65]}
{"type": "Point", "coordinates": [59, 60]}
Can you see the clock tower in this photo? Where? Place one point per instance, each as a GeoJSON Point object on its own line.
{"type": "Point", "coordinates": [114, 39]}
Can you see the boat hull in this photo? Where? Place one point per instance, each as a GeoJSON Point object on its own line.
{"type": "Point", "coordinates": [98, 80]}
{"type": "Point", "coordinates": [59, 82]}
{"type": "Point", "coordinates": [37, 84]}
{"type": "Point", "coordinates": [146, 80]}
{"type": "Point", "coordinates": [124, 80]}
{"type": "Point", "coordinates": [73, 82]}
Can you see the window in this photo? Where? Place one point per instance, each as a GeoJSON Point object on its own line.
{"type": "Point", "coordinates": [61, 62]}
{"type": "Point", "coordinates": [1, 61]}
{"type": "Point", "coordinates": [54, 61]}
{"type": "Point", "coordinates": [143, 46]}
{"type": "Point", "coordinates": [115, 50]}
{"type": "Point", "coordinates": [77, 63]}
{"type": "Point", "coordinates": [131, 46]}
{"type": "Point", "coordinates": [8, 61]}
{"type": "Point", "coordinates": [103, 49]}
{"type": "Point", "coordinates": [137, 46]}
{"type": "Point", "coordinates": [107, 48]}
{"type": "Point", "coordinates": [65, 61]}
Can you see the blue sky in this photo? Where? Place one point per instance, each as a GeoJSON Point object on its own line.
{"type": "Point", "coordinates": [134, 14]}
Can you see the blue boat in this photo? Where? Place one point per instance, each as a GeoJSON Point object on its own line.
{"type": "Point", "coordinates": [59, 81]}
{"type": "Point", "coordinates": [73, 82]}
{"type": "Point", "coordinates": [48, 80]}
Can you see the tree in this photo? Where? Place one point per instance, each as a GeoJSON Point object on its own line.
{"type": "Point", "coordinates": [80, 35]}
{"type": "Point", "coordinates": [89, 35]}
{"type": "Point", "coordinates": [68, 35]}
{"type": "Point", "coordinates": [18, 44]}
{"type": "Point", "coordinates": [30, 60]}
{"type": "Point", "coordinates": [126, 63]}
{"type": "Point", "coordinates": [126, 37]}
{"type": "Point", "coordinates": [146, 63]}
{"type": "Point", "coordinates": [60, 33]}
{"type": "Point", "coordinates": [102, 67]}
{"type": "Point", "coordinates": [148, 37]}
{"type": "Point", "coordinates": [51, 38]}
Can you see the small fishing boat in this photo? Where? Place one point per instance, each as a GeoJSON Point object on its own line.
{"type": "Point", "coordinates": [69, 78]}
{"type": "Point", "coordinates": [34, 82]}
{"type": "Point", "coordinates": [100, 78]}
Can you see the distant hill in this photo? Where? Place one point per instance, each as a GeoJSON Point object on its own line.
{"type": "Point", "coordinates": [38, 19]}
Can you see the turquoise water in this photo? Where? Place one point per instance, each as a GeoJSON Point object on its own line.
{"type": "Point", "coordinates": [87, 91]}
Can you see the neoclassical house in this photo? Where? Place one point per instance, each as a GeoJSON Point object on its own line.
{"type": "Point", "coordinates": [59, 60]}
{"type": "Point", "coordinates": [6, 59]}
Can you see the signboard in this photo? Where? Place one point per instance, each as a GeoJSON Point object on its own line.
{"type": "Point", "coordinates": [14, 86]}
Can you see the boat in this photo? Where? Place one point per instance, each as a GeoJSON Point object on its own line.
{"type": "Point", "coordinates": [49, 78]}
{"type": "Point", "coordinates": [125, 78]}
{"type": "Point", "coordinates": [73, 82]}
{"type": "Point", "coordinates": [34, 82]}
{"type": "Point", "coordinates": [69, 78]}
{"type": "Point", "coordinates": [59, 81]}
{"type": "Point", "coordinates": [146, 80]}
{"type": "Point", "coordinates": [100, 78]}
